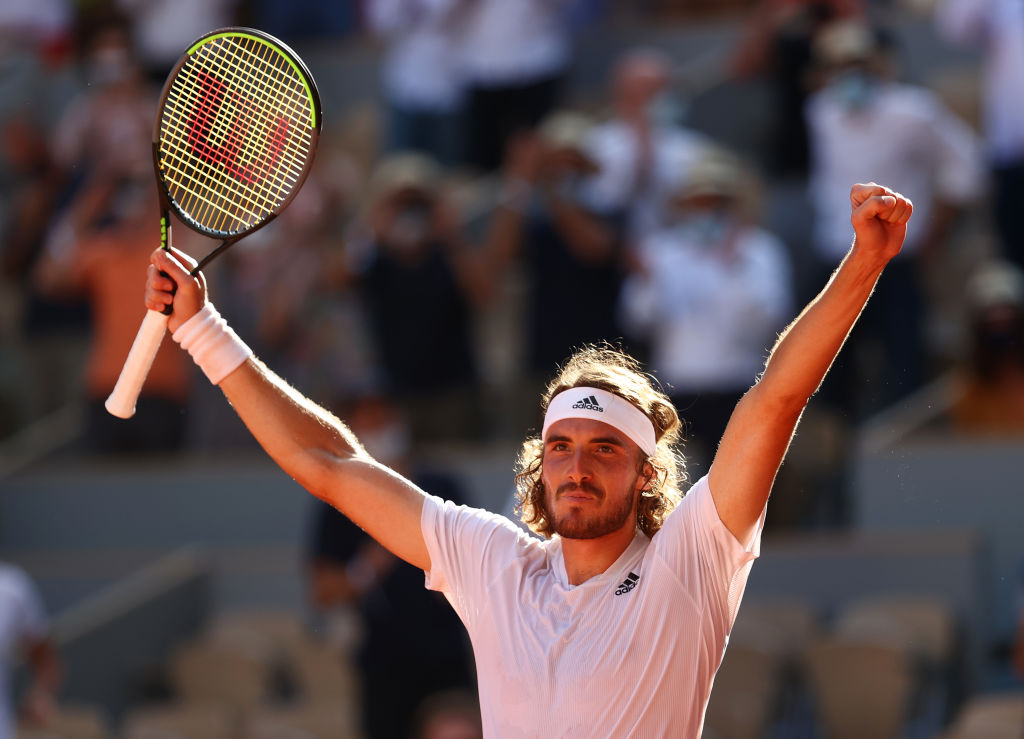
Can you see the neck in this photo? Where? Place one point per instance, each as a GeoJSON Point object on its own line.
{"type": "Point", "coordinates": [587, 558]}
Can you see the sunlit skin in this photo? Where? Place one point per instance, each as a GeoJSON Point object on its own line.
{"type": "Point", "coordinates": [592, 482]}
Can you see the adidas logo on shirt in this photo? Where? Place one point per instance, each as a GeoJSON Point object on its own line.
{"type": "Point", "coordinates": [628, 584]}
{"type": "Point", "coordinates": [588, 404]}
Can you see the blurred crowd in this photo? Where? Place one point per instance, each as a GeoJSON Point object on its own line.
{"type": "Point", "coordinates": [460, 236]}
{"type": "Point", "coordinates": [450, 249]}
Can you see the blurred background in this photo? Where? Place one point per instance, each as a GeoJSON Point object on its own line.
{"type": "Point", "coordinates": [497, 183]}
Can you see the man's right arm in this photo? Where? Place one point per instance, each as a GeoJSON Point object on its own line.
{"type": "Point", "coordinates": [307, 442]}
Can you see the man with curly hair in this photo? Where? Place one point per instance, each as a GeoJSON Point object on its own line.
{"type": "Point", "coordinates": [615, 624]}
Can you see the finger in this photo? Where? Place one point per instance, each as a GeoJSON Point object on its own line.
{"type": "Point", "coordinates": [160, 281]}
{"type": "Point", "coordinates": [876, 206]}
{"type": "Point", "coordinates": [174, 269]}
{"type": "Point", "coordinates": [861, 192]}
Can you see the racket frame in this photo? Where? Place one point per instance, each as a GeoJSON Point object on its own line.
{"type": "Point", "coordinates": [121, 402]}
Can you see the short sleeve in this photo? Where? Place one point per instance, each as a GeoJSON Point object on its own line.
{"type": "Point", "coordinates": [709, 561]}
{"type": "Point", "coordinates": [468, 549]}
{"type": "Point", "coordinates": [26, 614]}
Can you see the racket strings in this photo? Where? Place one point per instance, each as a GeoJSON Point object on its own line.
{"type": "Point", "coordinates": [225, 133]}
{"type": "Point", "coordinates": [236, 133]}
{"type": "Point", "coordinates": [214, 177]}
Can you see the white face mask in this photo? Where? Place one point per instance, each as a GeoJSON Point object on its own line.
{"type": "Point", "coordinates": [409, 229]}
{"type": "Point", "coordinates": [109, 67]}
{"type": "Point", "coordinates": [854, 90]}
{"type": "Point", "coordinates": [707, 228]}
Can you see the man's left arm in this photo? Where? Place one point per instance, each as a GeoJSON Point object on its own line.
{"type": "Point", "coordinates": [761, 426]}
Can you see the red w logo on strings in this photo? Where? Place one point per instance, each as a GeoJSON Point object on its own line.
{"type": "Point", "coordinates": [226, 154]}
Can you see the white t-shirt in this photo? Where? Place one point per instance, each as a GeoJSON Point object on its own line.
{"type": "Point", "coordinates": [629, 653]}
{"type": "Point", "coordinates": [906, 139]}
{"type": "Point", "coordinates": [21, 618]}
{"type": "Point", "coordinates": [711, 317]}
{"type": "Point", "coordinates": [999, 25]}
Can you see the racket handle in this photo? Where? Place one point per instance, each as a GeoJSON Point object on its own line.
{"type": "Point", "coordinates": [121, 402]}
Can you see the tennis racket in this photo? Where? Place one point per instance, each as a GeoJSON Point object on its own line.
{"type": "Point", "coordinates": [236, 130]}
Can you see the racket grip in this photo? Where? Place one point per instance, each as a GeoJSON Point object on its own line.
{"type": "Point", "coordinates": [121, 402]}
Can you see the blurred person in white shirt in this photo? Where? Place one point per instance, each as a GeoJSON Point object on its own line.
{"type": "Point", "coordinates": [997, 26]}
{"type": "Point", "coordinates": [642, 152]}
{"type": "Point", "coordinates": [863, 125]}
{"type": "Point", "coordinates": [24, 633]}
{"type": "Point", "coordinates": [513, 56]}
{"type": "Point", "coordinates": [423, 84]}
{"type": "Point", "coordinates": [712, 293]}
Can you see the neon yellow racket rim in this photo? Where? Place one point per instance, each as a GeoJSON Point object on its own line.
{"type": "Point", "coordinates": [285, 55]}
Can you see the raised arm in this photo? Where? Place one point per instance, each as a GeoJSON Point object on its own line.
{"type": "Point", "coordinates": [306, 441]}
{"type": "Point", "coordinates": [760, 429]}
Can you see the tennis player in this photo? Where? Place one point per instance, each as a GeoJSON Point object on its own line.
{"type": "Point", "coordinates": [614, 624]}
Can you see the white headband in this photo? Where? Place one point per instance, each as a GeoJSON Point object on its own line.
{"type": "Point", "coordinates": [601, 405]}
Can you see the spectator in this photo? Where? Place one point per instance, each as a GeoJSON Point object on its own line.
{"type": "Point", "coordinates": [97, 254]}
{"type": "Point", "coordinates": [108, 128]}
{"type": "Point", "coordinates": [710, 297]}
{"type": "Point", "coordinates": [163, 29]}
{"type": "Point", "coordinates": [991, 394]}
{"type": "Point", "coordinates": [572, 251]}
{"type": "Point", "coordinates": [24, 629]}
{"type": "Point", "coordinates": [422, 81]}
{"type": "Point", "coordinates": [421, 283]}
{"type": "Point", "coordinates": [778, 45]}
{"type": "Point", "coordinates": [514, 57]}
{"type": "Point", "coordinates": [998, 26]}
{"type": "Point", "coordinates": [642, 154]}
{"type": "Point", "coordinates": [413, 644]}
{"type": "Point", "coordinates": [865, 127]}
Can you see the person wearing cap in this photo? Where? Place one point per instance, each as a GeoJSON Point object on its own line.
{"type": "Point", "coordinates": [990, 394]}
{"type": "Point", "coordinates": [864, 125]}
{"type": "Point", "coordinates": [570, 246]}
{"type": "Point", "coordinates": [613, 623]}
{"type": "Point", "coordinates": [421, 283]}
{"type": "Point", "coordinates": [712, 292]}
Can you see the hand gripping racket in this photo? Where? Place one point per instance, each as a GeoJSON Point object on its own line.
{"type": "Point", "coordinates": [236, 131]}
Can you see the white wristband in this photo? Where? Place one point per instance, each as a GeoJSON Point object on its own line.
{"type": "Point", "coordinates": [214, 346]}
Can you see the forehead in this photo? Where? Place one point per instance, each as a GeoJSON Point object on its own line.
{"type": "Point", "coordinates": [582, 430]}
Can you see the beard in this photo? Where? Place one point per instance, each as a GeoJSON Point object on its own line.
{"type": "Point", "coordinates": [574, 525]}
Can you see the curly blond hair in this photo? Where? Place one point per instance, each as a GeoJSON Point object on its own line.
{"type": "Point", "coordinates": [610, 369]}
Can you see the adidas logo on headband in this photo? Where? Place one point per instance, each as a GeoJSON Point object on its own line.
{"type": "Point", "coordinates": [589, 404]}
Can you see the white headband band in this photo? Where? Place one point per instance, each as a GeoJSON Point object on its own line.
{"type": "Point", "coordinates": [601, 405]}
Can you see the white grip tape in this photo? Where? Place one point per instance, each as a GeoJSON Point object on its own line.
{"type": "Point", "coordinates": [121, 402]}
{"type": "Point", "coordinates": [214, 346]}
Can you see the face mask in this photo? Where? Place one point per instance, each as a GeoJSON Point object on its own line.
{"type": "Point", "coordinates": [665, 109]}
{"type": "Point", "coordinates": [108, 67]}
{"type": "Point", "coordinates": [708, 228]}
{"type": "Point", "coordinates": [409, 229]}
{"type": "Point", "coordinates": [854, 89]}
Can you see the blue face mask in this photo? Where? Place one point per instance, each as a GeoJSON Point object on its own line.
{"type": "Point", "coordinates": [854, 89]}
{"type": "Point", "coordinates": [707, 228]}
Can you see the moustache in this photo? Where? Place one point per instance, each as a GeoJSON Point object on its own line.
{"type": "Point", "coordinates": [586, 487]}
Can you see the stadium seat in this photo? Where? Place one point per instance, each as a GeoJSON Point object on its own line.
{"type": "Point", "coordinates": [782, 627]}
{"type": "Point", "coordinates": [746, 693]}
{"type": "Point", "coordinates": [301, 721]}
{"type": "Point", "coordinates": [214, 673]}
{"type": "Point", "coordinates": [70, 722]}
{"type": "Point", "coordinates": [922, 626]}
{"type": "Point", "coordinates": [998, 716]}
{"type": "Point", "coordinates": [180, 722]}
{"type": "Point", "coordinates": [859, 690]}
